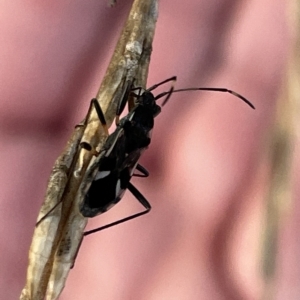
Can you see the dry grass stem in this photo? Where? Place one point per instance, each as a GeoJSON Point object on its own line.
{"type": "Point", "coordinates": [283, 138]}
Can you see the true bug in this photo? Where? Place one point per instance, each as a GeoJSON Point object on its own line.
{"type": "Point", "coordinates": [123, 149]}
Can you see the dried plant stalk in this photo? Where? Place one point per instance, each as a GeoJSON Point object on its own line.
{"type": "Point", "coordinates": [57, 238]}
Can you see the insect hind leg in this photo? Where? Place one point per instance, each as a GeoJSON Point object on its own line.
{"type": "Point", "coordinates": [143, 171]}
{"type": "Point", "coordinates": [135, 192]}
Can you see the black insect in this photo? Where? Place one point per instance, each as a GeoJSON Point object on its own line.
{"type": "Point", "coordinates": [123, 149]}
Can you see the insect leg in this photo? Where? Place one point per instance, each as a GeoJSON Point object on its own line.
{"type": "Point", "coordinates": [139, 89]}
{"type": "Point", "coordinates": [139, 197]}
{"type": "Point", "coordinates": [47, 214]}
{"type": "Point", "coordinates": [143, 171]}
{"type": "Point", "coordinates": [123, 101]}
{"type": "Point", "coordinates": [131, 101]}
{"type": "Point", "coordinates": [76, 253]}
{"type": "Point", "coordinates": [94, 103]}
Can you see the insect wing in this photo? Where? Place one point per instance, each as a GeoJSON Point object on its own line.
{"type": "Point", "coordinates": [107, 188]}
{"type": "Point", "coordinates": [115, 169]}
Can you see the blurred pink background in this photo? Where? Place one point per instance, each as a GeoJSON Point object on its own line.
{"type": "Point", "coordinates": [202, 239]}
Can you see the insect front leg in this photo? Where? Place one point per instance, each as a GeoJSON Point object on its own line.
{"type": "Point", "coordinates": [94, 104]}
{"type": "Point", "coordinates": [123, 100]}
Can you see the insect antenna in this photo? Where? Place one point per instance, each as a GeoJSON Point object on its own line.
{"type": "Point", "coordinates": [173, 78]}
{"type": "Point", "coordinates": [222, 90]}
{"type": "Point", "coordinates": [139, 89]}
{"type": "Point", "coordinates": [169, 93]}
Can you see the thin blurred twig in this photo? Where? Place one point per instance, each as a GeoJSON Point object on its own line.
{"type": "Point", "coordinates": [283, 136]}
